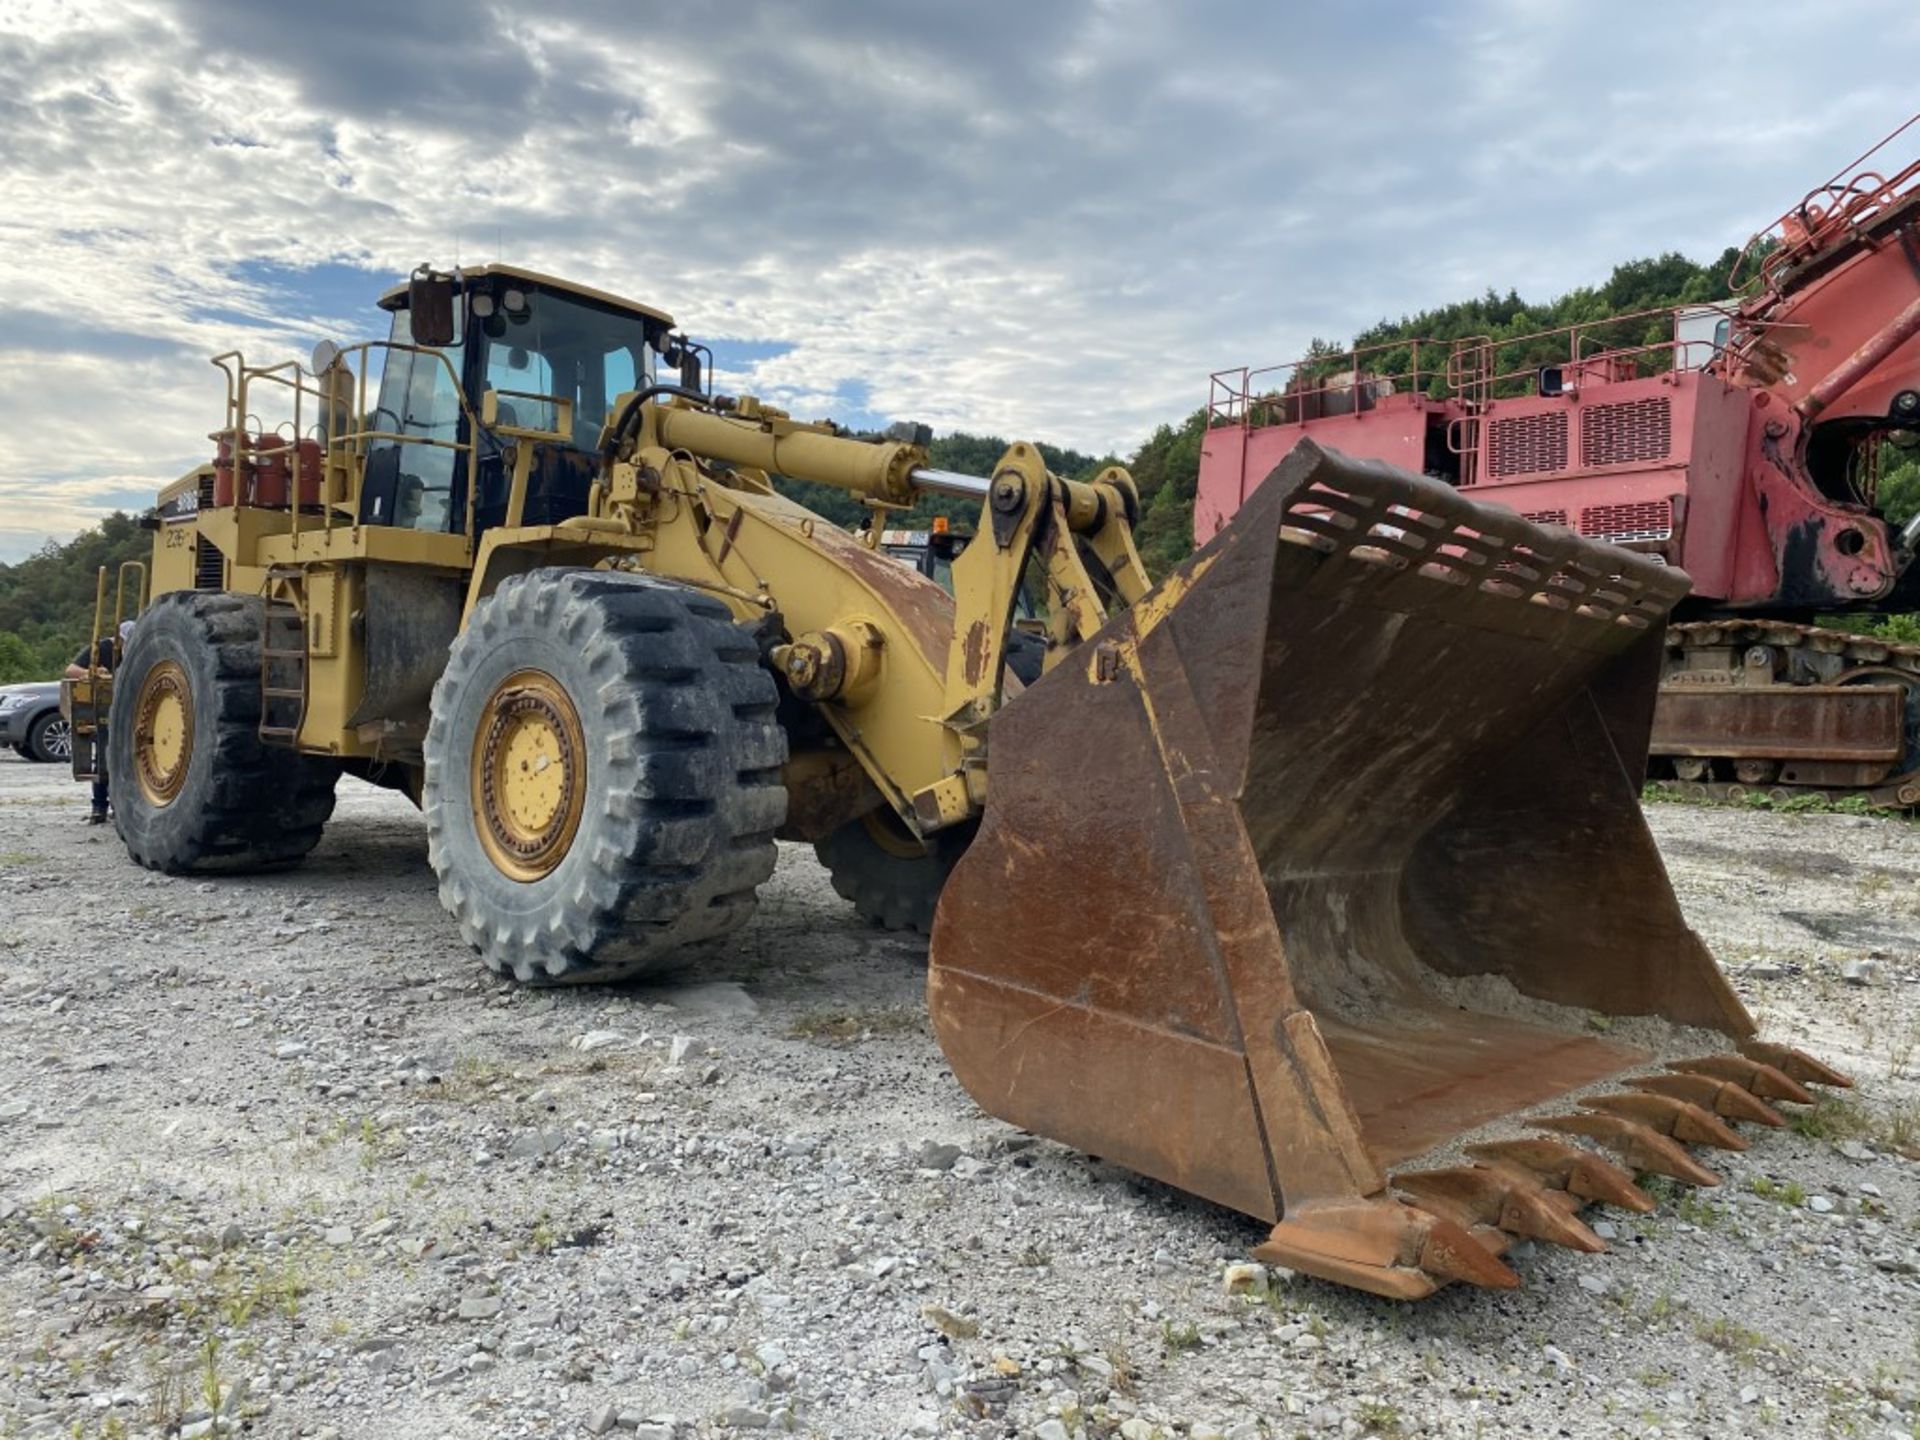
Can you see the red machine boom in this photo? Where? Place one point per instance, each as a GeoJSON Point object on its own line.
{"type": "Point", "coordinates": [1742, 445]}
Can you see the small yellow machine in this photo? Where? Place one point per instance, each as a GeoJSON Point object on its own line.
{"type": "Point", "coordinates": [1202, 897]}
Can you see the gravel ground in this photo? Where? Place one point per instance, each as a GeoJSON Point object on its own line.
{"type": "Point", "coordinates": [277, 1157]}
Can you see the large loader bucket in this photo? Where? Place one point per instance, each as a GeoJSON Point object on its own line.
{"type": "Point", "coordinates": [1327, 858]}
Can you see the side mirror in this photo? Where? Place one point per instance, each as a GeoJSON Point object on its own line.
{"type": "Point", "coordinates": [680, 351]}
{"type": "Point", "coordinates": [430, 307]}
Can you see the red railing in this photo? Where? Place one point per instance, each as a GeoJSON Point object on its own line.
{"type": "Point", "coordinates": [1337, 383]}
{"type": "Point", "coordinates": [1475, 370]}
{"type": "Point", "coordinates": [1589, 352]}
{"type": "Point", "coordinates": [1844, 204]}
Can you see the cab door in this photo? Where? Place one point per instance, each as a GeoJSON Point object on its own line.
{"type": "Point", "coordinates": [416, 477]}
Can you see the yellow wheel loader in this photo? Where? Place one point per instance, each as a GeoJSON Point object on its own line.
{"type": "Point", "coordinates": [1296, 880]}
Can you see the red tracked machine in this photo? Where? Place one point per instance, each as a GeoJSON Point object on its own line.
{"type": "Point", "coordinates": [1742, 443]}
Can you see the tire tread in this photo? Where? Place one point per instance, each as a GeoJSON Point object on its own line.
{"type": "Point", "coordinates": [683, 820]}
{"type": "Point", "coordinates": [259, 806]}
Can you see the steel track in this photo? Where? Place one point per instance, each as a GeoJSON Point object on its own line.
{"type": "Point", "coordinates": [1900, 790]}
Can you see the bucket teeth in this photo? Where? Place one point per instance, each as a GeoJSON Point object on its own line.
{"type": "Point", "coordinates": [1640, 1147]}
{"type": "Point", "coordinates": [1721, 1097]}
{"type": "Point", "coordinates": [1385, 1246]}
{"type": "Point", "coordinates": [1452, 1253]}
{"type": "Point", "coordinates": [1764, 1080]}
{"type": "Point", "coordinates": [1555, 1163]}
{"type": "Point", "coordinates": [1796, 1064]}
{"type": "Point", "coordinates": [1678, 1118]}
{"type": "Point", "coordinates": [1475, 1195]}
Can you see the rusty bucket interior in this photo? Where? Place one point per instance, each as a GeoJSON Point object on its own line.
{"type": "Point", "coordinates": [1327, 856]}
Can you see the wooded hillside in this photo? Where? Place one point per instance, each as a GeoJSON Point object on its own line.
{"type": "Point", "coordinates": [46, 600]}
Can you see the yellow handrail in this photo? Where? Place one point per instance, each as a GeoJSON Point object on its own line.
{"type": "Point", "coordinates": [352, 441]}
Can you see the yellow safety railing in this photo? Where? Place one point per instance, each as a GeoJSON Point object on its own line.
{"type": "Point", "coordinates": [343, 447]}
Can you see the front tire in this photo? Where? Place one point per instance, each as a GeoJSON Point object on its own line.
{"type": "Point", "coordinates": [49, 739]}
{"type": "Point", "coordinates": [602, 775]}
{"type": "Point", "coordinates": [195, 790]}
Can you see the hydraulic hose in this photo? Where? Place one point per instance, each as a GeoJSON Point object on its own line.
{"type": "Point", "coordinates": [629, 418]}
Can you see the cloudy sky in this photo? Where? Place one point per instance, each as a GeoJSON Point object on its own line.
{"type": "Point", "coordinates": [1049, 218]}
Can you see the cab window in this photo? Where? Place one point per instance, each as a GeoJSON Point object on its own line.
{"type": "Point", "coordinates": [562, 347]}
{"type": "Point", "coordinates": [520, 372]}
{"type": "Point", "coordinates": [412, 472]}
{"type": "Point", "coordinates": [618, 371]}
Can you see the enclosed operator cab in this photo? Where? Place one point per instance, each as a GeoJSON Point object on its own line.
{"type": "Point", "coordinates": [557, 356]}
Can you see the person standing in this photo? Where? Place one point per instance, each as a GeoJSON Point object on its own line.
{"type": "Point", "coordinates": [92, 659]}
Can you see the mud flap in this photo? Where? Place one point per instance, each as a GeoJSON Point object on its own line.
{"type": "Point", "coordinates": [1262, 864]}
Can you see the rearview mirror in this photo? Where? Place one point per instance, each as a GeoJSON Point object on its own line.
{"type": "Point", "coordinates": [430, 307]}
{"type": "Point", "coordinates": [680, 351]}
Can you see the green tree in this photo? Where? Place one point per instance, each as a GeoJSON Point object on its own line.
{"type": "Point", "coordinates": [18, 661]}
{"type": "Point", "coordinates": [1167, 470]}
{"type": "Point", "coordinates": [46, 600]}
{"type": "Point", "coordinates": [1899, 493]}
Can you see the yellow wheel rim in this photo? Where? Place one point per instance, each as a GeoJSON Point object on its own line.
{"type": "Point", "coordinates": [890, 833]}
{"type": "Point", "coordinates": [163, 733]}
{"type": "Point", "coordinates": [529, 775]}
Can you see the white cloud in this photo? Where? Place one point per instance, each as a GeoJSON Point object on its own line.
{"type": "Point", "coordinates": [1051, 221]}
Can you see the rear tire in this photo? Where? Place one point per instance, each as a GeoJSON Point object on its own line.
{"type": "Point", "coordinates": [602, 775]}
{"type": "Point", "coordinates": [49, 739]}
{"type": "Point", "coordinates": [893, 878]}
{"type": "Point", "coordinates": [194, 788]}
